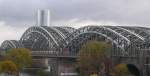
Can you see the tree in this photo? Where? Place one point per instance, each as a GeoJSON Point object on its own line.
{"type": "Point", "coordinates": [21, 57]}
{"type": "Point", "coordinates": [122, 70]}
{"type": "Point", "coordinates": [92, 58]}
{"type": "Point", "coordinates": [8, 67]}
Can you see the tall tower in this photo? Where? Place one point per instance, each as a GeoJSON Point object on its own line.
{"type": "Point", "coordinates": [43, 17]}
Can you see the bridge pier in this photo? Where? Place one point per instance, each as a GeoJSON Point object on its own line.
{"type": "Point", "coordinates": [134, 61]}
{"type": "Point", "coordinates": [57, 66]}
{"type": "Point", "coordinates": [66, 67]}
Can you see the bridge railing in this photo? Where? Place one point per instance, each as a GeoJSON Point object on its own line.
{"type": "Point", "coordinates": [53, 54]}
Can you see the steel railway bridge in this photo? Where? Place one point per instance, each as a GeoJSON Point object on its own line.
{"type": "Point", "coordinates": [58, 46]}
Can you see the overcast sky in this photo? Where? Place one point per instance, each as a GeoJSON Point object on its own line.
{"type": "Point", "coordinates": [17, 15]}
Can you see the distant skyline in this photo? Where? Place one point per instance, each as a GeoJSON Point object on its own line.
{"type": "Point", "coordinates": [17, 15]}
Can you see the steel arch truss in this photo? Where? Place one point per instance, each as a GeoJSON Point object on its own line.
{"type": "Point", "coordinates": [75, 45]}
{"type": "Point", "coordinates": [43, 37]}
{"type": "Point", "coordinates": [11, 44]}
{"type": "Point", "coordinates": [143, 32]}
{"type": "Point", "coordinates": [122, 38]}
{"type": "Point", "coordinates": [126, 40]}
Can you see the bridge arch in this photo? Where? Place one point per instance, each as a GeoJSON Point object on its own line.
{"type": "Point", "coordinates": [121, 41]}
{"type": "Point", "coordinates": [79, 40]}
{"type": "Point", "coordinates": [7, 44]}
{"type": "Point", "coordinates": [132, 69]}
{"type": "Point", "coordinates": [43, 37]}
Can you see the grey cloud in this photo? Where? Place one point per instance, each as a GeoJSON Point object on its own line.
{"type": "Point", "coordinates": [122, 11]}
{"type": "Point", "coordinates": [17, 15]}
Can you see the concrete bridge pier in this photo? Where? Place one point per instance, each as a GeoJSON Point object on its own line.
{"type": "Point", "coordinates": [134, 62]}
{"type": "Point", "coordinates": [50, 65]}
{"type": "Point", "coordinates": [62, 66]}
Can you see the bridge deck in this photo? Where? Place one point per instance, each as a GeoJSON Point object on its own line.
{"type": "Point", "coordinates": [52, 54]}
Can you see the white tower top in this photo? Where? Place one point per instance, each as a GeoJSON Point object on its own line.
{"type": "Point", "coordinates": [43, 17]}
